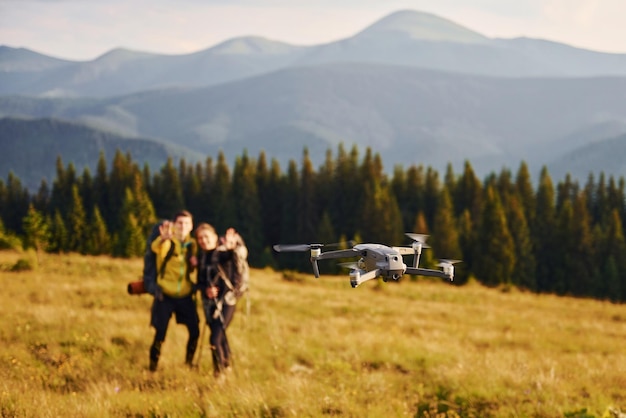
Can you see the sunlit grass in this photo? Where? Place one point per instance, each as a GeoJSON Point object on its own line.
{"type": "Point", "coordinates": [73, 343]}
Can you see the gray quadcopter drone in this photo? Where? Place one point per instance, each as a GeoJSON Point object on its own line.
{"type": "Point", "coordinates": [376, 260]}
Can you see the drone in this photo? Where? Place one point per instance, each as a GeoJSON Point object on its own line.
{"type": "Point", "coordinates": [376, 260]}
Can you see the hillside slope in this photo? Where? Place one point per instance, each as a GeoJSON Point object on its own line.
{"type": "Point", "coordinates": [30, 149]}
{"type": "Point", "coordinates": [75, 344]}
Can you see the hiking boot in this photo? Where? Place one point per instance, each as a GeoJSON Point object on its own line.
{"type": "Point", "coordinates": [155, 353]}
{"type": "Point", "coordinates": [189, 360]}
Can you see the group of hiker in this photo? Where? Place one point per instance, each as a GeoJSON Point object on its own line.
{"type": "Point", "coordinates": [219, 266]}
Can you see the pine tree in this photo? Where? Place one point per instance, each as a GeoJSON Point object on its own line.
{"type": "Point", "coordinates": [273, 206]}
{"type": "Point", "coordinates": [524, 187]}
{"type": "Point", "coordinates": [544, 232]}
{"type": "Point", "coordinates": [445, 239]}
{"type": "Point", "coordinates": [324, 188]}
{"type": "Point", "coordinates": [326, 234]}
{"type": "Point", "coordinates": [601, 202]}
{"type": "Point", "coordinates": [431, 195]}
{"type": "Point", "coordinates": [371, 168]}
{"type": "Point", "coordinates": [381, 220]}
{"type": "Point", "coordinates": [413, 203]}
{"type": "Point", "coordinates": [4, 200]}
{"type": "Point", "coordinates": [582, 253]}
{"type": "Point", "coordinates": [525, 264]}
{"type": "Point", "coordinates": [222, 195]}
{"type": "Point", "coordinates": [468, 237]}
{"type": "Point", "coordinates": [419, 225]}
{"type": "Point", "coordinates": [129, 240]}
{"type": "Point", "coordinates": [37, 230]}
{"type": "Point", "coordinates": [468, 194]}
{"type": "Point", "coordinates": [98, 240]}
{"type": "Point", "coordinates": [142, 207]}
{"type": "Point", "coordinates": [263, 191]}
{"type": "Point", "coordinates": [308, 216]}
{"type": "Point", "coordinates": [168, 192]}
{"type": "Point", "coordinates": [206, 211]}
{"type": "Point", "coordinates": [449, 180]}
{"type": "Point", "coordinates": [399, 189]}
{"type": "Point", "coordinates": [86, 189]}
{"type": "Point", "coordinates": [495, 258]}
{"type": "Point", "coordinates": [289, 219]}
{"type": "Point", "coordinates": [61, 188]}
{"type": "Point", "coordinates": [119, 180]}
{"type": "Point", "coordinates": [76, 221]}
{"type": "Point", "coordinates": [59, 233]}
{"type": "Point", "coordinates": [347, 193]}
{"type": "Point", "coordinates": [505, 187]}
{"type": "Point", "coordinates": [566, 191]}
{"type": "Point", "coordinates": [247, 207]}
{"type": "Point", "coordinates": [41, 201]}
{"type": "Point", "coordinates": [563, 252]}
{"type": "Point", "coordinates": [191, 185]}
{"type": "Point", "coordinates": [613, 250]}
{"type": "Point", "coordinates": [101, 190]}
{"type": "Point", "coordinates": [16, 204]}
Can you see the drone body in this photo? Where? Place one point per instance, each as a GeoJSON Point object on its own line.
{"type": "Point", "coordinates": [376, 260]}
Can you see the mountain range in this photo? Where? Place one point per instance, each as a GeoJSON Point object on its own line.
{"type": "Point", "coordinates": [416, 88]}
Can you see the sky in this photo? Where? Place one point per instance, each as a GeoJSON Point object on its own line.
{"type": "Point", "coordinates": [85, 29]}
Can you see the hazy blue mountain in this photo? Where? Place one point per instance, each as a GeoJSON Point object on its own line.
{"type": "Point", "coordinates": [428, 41]}
{"type": "Point", "coordinates": [22, 59]}
{"type": "Point", "coordinates": [30, 148]}
{"type": "Point", "coordinates": [407, 38]}
{"type": "Point", "coordinates": [122, 71]}
{"type": "Point", "coordinates": [21, 68]}
{"type": "Point", "coordinates": [408, 115]}
{"type": "Point", "coordinates": [607, 156]}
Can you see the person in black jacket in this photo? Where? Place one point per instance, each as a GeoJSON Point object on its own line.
{"type": "Point", "coordinates": [222, 276]}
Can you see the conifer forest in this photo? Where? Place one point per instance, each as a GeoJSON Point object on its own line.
{"type": "Point", "coordinates": [509, 229]}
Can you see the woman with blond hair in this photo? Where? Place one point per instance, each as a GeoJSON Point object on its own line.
{"type": "Point", "coordinates": [222, 269]}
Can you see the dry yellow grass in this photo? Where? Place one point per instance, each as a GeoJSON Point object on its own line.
{"type": "Point", "coordinates": [73, 343]}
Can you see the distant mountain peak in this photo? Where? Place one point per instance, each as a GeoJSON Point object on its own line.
{"type": "Point", "coordinates": [421, 26]}
{"type": "Point", "coordinates": [22, 59]}
{"type": "Point", "coordinates": [123, 54]}
{"type": "Point", "coordinates": [246, 45]}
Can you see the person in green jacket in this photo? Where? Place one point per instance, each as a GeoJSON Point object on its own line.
{"type": "Point", "coordinates": [175, 249]}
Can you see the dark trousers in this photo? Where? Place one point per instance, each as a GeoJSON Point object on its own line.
{"type": "Point", "coordinates": [218, 321]}
{"type": "Point", "coordinates": [185, 312]}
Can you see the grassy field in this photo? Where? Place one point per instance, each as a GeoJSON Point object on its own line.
{"type": "Point", "coordinates": [74, 343]}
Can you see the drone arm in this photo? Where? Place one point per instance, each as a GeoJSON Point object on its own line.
{"type": "Point", "coordinates": [404, 250]}
{"type": "Point", "coordinates": [316, 269]}
{"type": "Point", "coordinates": [316, 254]}
{"type": "Point", "coordinates": [356, 278]}
{"type": "Point", "coordinates": [337, 254]}
{"type": "Point", "coordinates": [428, 272]}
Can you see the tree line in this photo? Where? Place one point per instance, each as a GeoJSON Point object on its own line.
{"type": "Point", "coordinates": [566, 239]}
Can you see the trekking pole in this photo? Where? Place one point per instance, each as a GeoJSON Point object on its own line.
{"type": "Point", "coordinates": [204, 327]}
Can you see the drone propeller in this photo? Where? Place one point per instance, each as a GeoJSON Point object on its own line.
{"type": "Point", "coordinates": [445, 261]}
{"type": "Point", "coordinates": [419, 242]}
{"type": "Point", "coordinates": [350, 265]}
{"type": "Point", "coordinates": [448, 267]}
{"type": "Point", "coordinates": [306, 247]}
{"type": "Point", "coordinates": [296, 247]}
{"type": "Point", "coordinates": [420, 238]}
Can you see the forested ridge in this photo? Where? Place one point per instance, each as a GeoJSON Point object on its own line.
{"type": "Point", "coordinates": [509, 230]}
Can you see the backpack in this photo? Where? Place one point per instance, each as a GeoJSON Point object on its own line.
{"type": "Point", "coordinates": [241, 274]}
{"type": "Point", "coordinates": [149, 261]}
